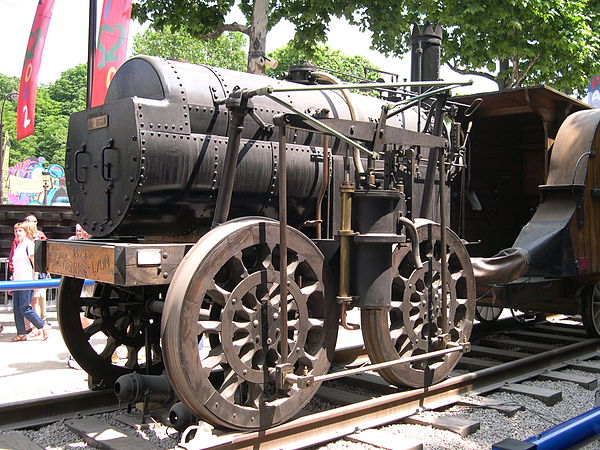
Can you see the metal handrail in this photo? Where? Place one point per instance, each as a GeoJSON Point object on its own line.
{"type": "Point", "coordinates": [47, 283]}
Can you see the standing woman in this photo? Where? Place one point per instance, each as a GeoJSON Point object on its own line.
{"type": "Point", "coordinates": [23, 270]}
{"type": "Point", "coordinates": [38, 299]}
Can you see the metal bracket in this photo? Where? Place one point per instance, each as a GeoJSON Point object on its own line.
{"type": "Point", "coordinates": [282, 371]}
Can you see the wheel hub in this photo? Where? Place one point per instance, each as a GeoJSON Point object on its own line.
{"type": "Point", "coordinates": [251, 333]}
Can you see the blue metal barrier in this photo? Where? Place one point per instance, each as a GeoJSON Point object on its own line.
{"type": "Point", "coordinates": [570, 434]}
{"type": "Point", "coordinates": [46, 283]}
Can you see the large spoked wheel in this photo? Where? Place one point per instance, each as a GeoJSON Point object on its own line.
{"type": "Point", "coordinates": [590, 310]}
{"type": "Point", "coordinates": [221, 330]}
{"type": "Point", "coordinates": [94, 327]}
{"type": "Point", "coordinates": [411, 325]}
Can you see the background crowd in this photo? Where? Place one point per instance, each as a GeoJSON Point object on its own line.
{"type": "Point", "coordinates": [29, 305]}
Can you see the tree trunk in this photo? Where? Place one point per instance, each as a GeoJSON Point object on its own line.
{"type": "Point", "coordinates": [258, 37]}
{"type": "Point", "coordinates": [503, 77]}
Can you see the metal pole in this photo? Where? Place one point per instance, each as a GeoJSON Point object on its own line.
{"type": "Point", "coordinates": [238, 107]}
{"type": "Point", "coordinates": [91, 51]}
{"type": "Point", "coordinates": [432, 160]}
{"type": "Point", "coordinates": [332, 87]}
{"type": "Point", "coordinates": [283, 291]}
{"type": "Point", "coordinates": [444, 265]}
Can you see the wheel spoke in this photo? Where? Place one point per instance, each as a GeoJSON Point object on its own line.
{"type": "Point", "coordinates": [255, 393]}
{"type": "Point", "coordinates": [92, 329]}
{"type": "Point", "coordinates": [111, 346]}
{"type": "Point", "coordinates": [132, 357]}
{"type": "Point", "coordinates": [208, 326]}
{"type": "Point", "coordinates": [309, 289]}
{"type": "Point", "coordinates": [218, 294]}
{"type": "Point", "coordinates": [230, 385]}
{"type": "Point", "coordinates": [215, 358]}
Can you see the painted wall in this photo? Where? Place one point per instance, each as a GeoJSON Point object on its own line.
{"type": "Point", "coordinates": [28, 185]}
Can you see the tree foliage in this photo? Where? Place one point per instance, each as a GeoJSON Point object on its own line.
{"type": "Point", "coordinates": [513, 42]}
{"type": "Point", "coordinates": [227, 51]}
{"type": "Point", "coordinates": [54, 105]}
{"type": "Point", "coordinates": [346, 68]}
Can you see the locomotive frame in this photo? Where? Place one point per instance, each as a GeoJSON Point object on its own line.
{"type": "Point", "coordinates": [206, 305]}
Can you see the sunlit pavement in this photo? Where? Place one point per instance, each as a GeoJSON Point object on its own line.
{"type": "Point", "coordinates": [36, 368]}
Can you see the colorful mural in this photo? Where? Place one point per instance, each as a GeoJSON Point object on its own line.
{"type": "Point", "coordinates": [36, 182]}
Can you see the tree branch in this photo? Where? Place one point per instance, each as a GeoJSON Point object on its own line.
{"type": "Point", "coordinates": [221, 28]}
{"type": "Point", "coordinates": [472, 72]}
{"type": "Point", "coordinates": [527, 69]}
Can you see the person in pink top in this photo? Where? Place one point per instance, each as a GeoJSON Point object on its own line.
{"type": "Point", "coordinates": [23, 270]}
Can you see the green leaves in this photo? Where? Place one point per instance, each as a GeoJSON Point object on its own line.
{"type": "Point", "coordinates": [227, 51]}
{"type": "Point", "coordinates": [55, 103]}
{"type": "Point", "coordinates": [347, 68]}
{"type": "Point", "coordinates": [553, 42]}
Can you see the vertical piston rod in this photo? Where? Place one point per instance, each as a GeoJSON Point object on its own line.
{"type": "Point", "coordinates": [443, 257]}
{"type": "Point", "coordinates": [238, 105]}
{"type": "Point", "coordinates": [283, 291]}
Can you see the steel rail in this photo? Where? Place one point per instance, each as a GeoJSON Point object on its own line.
{"type": "Point", "coordinates": [42, 411]}
{"type": "Point", "coordinates": [334, 424]}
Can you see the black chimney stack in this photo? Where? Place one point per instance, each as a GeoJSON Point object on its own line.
{"type": "Point", "coordinates": [426, 53]}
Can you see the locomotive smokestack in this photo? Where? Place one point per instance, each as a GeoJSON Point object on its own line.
{"type": "Point", "coordinates": [426, 53]}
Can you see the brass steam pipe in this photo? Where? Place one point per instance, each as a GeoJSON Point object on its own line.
{"type": "Point", "coordinates": [346, 233]}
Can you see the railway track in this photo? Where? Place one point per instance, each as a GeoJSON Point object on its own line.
{"type": "Point", "coordinates": [498, 361]}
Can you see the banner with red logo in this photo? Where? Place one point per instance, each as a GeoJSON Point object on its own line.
{"type": "Point", "coordinates": [31, 67]}
{"type": "Point", "coordinates": [111, 48]}
{"type": "Point", "coordinates": [594, 91]}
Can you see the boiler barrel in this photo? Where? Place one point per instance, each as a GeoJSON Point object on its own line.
{"type": "Point", "coordinates": [149, 161]}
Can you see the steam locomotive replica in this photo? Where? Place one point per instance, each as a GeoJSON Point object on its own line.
{"type": "Point", "coordinates": [236, 219]}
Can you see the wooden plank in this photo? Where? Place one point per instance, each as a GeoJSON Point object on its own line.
{"type": "Point", "coordinates": [462, 427]}
{"type": "Point", "coordinates": [101, 435]}
{"type": "Point", "coordinates": [338, 397]}
{"type": "Point", "coordinates": [586, 366]}
{"type": "Point", "coordinates": [585, 382]}
{"type": "Point", "coordinates": [549, 397]}
{"type": "Point", "coordinates": [381, 439]}
{"type": "Point", "coordinates": [496, 353]}
{"type": "Point", "coordinates": [466, 363]}
{"type": "Point", "coordinates": [15, 440]}
{"type": "Point", "coordinates": [525, 345]}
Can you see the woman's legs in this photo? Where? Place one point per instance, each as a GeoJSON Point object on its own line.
{"type": "Point", "coordinates": [21, 301]}
{"type": "Point", "coordinates": [38, 302]}
{"type": "Point", "coordinates": [27, 311]}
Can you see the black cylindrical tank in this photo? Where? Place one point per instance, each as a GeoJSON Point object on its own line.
{"type": "Point", "coordinates": [149, 161]}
